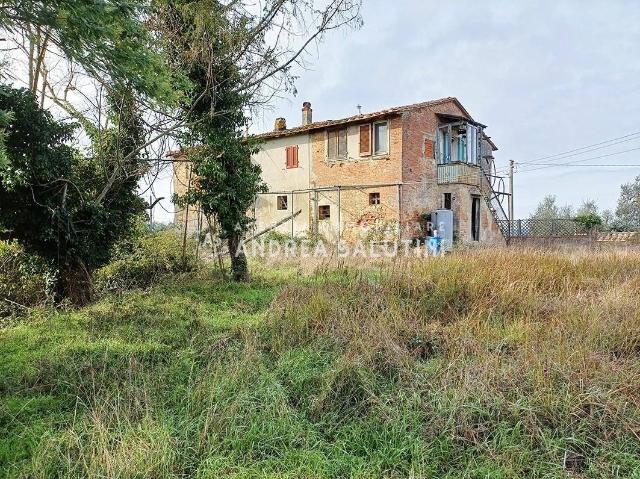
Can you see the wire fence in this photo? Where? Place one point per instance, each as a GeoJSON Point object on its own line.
{"type": "Point", "coordinates": [540, 228]}
{"type": "Point", "coordinates": [334, 213]}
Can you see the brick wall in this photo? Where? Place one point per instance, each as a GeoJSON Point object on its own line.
{"type": "Point", "coordinates": [421, 192]}
{"type": "Point", "coordinates": [358, 219]}
{"type": "Point", "coordinates": [357, 170]}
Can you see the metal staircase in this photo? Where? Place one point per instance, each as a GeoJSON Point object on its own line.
{"type": "Point", "coordinates": [493, 200]}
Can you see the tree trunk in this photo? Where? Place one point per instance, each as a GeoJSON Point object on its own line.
{"type": "Point", "coordinates": [239, 268]}
{"type": "Point", "coordinates": [74, 283]}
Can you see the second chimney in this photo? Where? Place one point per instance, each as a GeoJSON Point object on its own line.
{"type": "Point", "coordinates": [280, 124]}
{"type": "Point", "coordinates": [306, 113]}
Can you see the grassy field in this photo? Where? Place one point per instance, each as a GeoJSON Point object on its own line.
{"type": "Point", "coordinates": [482, 365]}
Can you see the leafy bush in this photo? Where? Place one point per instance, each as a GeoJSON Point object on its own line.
{"type": "Point", "coordinates": [143, 263]}
{"type": "Point", "coordinates": [588, 220]}
{"type": "Point", "coordinates": [25, 280]}
{"type": "Point", "coordinates": [311, 239]}
{"type": "Point", "coordinates": [60, 204]}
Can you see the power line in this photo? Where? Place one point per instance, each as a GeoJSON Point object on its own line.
{"type": "Point", "coordinates": [600, 165]}
{"type": "Point", "coordinates": [588, 148]}
{"type": "Point", "coordinates": [573, 163]}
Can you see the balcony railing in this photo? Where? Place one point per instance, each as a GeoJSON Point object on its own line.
{"type": "Point", "coordinates": [459, 173]}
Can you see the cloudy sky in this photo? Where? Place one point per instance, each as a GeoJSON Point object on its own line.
{"type": "Point", "coordinates": [545, 76]}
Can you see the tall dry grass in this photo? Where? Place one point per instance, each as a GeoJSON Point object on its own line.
{"type": "Point", "coordinates": [545, 343]}
{"type": "Point", "coordinates": [491, 363]}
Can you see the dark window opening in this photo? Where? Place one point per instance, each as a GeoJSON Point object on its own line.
{"type": "Point", "coordinates": [283, 202]}
{"type": "Point", "coordinates": [446, 203]}
{"type": "Point", "coordinates": [475, 218]}
{"type": "Point", "coordinates": [374, 198]}
{"type": "Point", "coordinates": [324, 212]}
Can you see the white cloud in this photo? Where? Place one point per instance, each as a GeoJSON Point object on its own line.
{"type": "Point", "coordinates": [546, 76]}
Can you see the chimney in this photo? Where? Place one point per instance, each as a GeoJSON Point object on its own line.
{"type": "Point", "coordinates": [306, 113]}
{"type": "Point", "coordinates": [280, 124]}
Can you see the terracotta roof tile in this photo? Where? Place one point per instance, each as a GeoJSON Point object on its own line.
{"type": "Point", "coordinates": [358, 118]}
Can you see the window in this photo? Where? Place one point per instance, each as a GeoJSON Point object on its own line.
{"type": "Point", "coordinates": [374, 198]}
{"type": "Point", "coordinates": [324, 212]}
{"type": "Point", "coordinates": [459, 142]}
{"type": "Point", "coordinates": [292, 156]}
{"type": "Point", "coordinates": [444, 145]}
{"type": "Point", "coordinates": [337, 143]}
{"type": "Point", "coordinates": [283, 202]}
{"type": "Point", "coordinates": [365, 140]}
{"type": "Point", "coordinates": [446, 201]}
{"type": "Point", "coordinates": [381, 138]}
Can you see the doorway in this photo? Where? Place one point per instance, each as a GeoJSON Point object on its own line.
{"type": "Point", "coordinates": [475, 218]}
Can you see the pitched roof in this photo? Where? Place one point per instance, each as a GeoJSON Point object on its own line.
{"type": "Point", "coordinates": [318, 125]}
{"type": "Point", "coordinates": [358, 118]}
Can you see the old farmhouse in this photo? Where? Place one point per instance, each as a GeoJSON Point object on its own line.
{"type": "Point", "coordinates": [377, 176]}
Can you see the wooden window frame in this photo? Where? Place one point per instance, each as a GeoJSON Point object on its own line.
{"type": "Point", "coordinates": [291, 156]}
{"type": "Point", "coordinates": [374, 136]}
{"type": "Point", "coordinates": [428, 146]}
{"type": "Point", "coordinates": [337, 132]}
{"type": "Point", "coordinates": [368, 129]}
{"type": "Point", "coordinates": [282, 200]}
{"type": "Point", "coordinates": [374, 198]}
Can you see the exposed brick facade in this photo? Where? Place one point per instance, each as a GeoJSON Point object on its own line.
{"type": "Point", "coordinates": [405, 178]}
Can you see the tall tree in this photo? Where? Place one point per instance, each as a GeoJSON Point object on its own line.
{"type": "Point", "coordinates": [48, 189]}
{"type": "Point", "coordinates": [628, 209]}
{"type": "Point", "coordinates": [548, 209]}
{"type": "Point", "coordinates": [108, 38]}
{"type": "Point", "coordinates": [233, 66]}
{"type": "Point", "coordinates": [587, 207]}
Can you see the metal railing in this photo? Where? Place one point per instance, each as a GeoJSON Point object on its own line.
{"type": "Point", "coordinates": [458, 173]}
{"type": "Point", "coordinates": [494, 203]}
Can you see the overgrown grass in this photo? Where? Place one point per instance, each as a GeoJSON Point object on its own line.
{"type": "Point", "coordinates": [483, 364]}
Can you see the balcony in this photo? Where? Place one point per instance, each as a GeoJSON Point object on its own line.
{"type": "Point", "coordinates": [460, 173]}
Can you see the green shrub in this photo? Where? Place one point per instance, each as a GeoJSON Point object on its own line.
{"type": "Point", "coordinates": [588, 220]}
{"type": "Point", "coordinates": [143, 263]}
{"type": "Point", "coordinates": [25, 280]}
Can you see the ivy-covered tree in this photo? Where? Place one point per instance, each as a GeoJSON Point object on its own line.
{"type": "Point", "coordinates": [48, 190]}
{"type": "Point", "coordinates": [226, 181]}
{"type": "Point", "coordinates": [236, 57]}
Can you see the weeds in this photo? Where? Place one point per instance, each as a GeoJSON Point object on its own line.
{"type": "Point", "coordinates": [480, 364]}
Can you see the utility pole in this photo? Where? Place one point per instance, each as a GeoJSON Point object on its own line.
{"type": "Point", "coordinates": [511, 191]}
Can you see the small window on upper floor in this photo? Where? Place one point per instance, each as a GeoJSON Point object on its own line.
{"type": "Point", "coordinates": [291, 154]}
{"type": "Point", "coordinates": [374, 198]}
{"type": "Point", "coordinates": [381, 138]}
{"type": "Point", "coordinates": [283, 202]}
{"type": "Point", "coordinates": [337, 144]}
